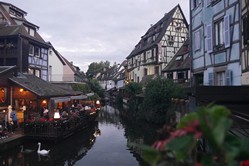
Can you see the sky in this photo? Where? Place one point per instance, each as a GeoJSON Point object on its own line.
{"type": "Point", "coordinates": [86, 31]}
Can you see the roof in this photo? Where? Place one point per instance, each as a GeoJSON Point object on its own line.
{"type": "Point", "coordinates": [15, 30]}
{"type": "Point", "coordinates": [108, 74]}
{"type": "Point", "coordinates": [4, 69]}
{"type": "Point", "coordinates": [39, 87]}
{"type": "Point", "coordinates": [181, 60]}
{"type": "Point", "coordinates": [158, 30]}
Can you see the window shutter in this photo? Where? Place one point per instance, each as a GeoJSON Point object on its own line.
{"type": "Point", "coordinates": [245, 32]}
{"type": "Point", "coordinates": [211, 78]}
{"type": "Point", "coordinates": [229, 77]}
{"type": "Point", "coordinates": [209, 41]}
{"type": "Point", "coordinates": [227, 34]}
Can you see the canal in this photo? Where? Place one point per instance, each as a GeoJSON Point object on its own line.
{"type": "Point", "coordinates": [108, 142]}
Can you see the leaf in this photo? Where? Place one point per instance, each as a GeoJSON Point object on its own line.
{"type": "Point", "coordinates": [181, 146]}
{"type": "Point", "coordinates": [150, 155]}
{"type": "Point", "coordinates": [220, 130]}
{"type": "Point", "coordinates": [187, 119]}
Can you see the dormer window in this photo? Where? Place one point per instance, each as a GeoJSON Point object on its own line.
{"type": "Point", "coordinates": [30, 31]}
{"type": "Point", "coordinates": [12, 12]}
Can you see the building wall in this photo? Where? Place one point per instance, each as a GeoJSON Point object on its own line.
{"type": "Point", "coordinates": [55, 67]}
{"type": "Point", "coordinates": [219, 63]}
{"type": "Point", "coordinates": [68, 74]}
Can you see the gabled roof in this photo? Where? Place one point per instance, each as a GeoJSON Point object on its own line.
{"type": "Point", "coordinates": [57, 54]}
{"type": "Point", "coordinates": [15, 30]}
{"type": "Point", "coordinates": [158, 29]}
{"type": "Point", "coordinates": [39, 87]}
{"type": "Point", "coordinates": [74, 68]}
{"type": "Point", "coordinates": [181, 60]}
{"type": "Point", "coordinates": [108, 74]}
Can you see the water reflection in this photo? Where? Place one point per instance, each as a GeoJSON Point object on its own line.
{"type": "Point", "coordinates": [66, 152]}
{"type": "Point", "coordinates": [108, 142]}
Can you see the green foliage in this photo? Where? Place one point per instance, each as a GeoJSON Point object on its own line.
{"type": "Point", "coordinates": [96, 88]}
{"type": "Point", "coordinates": [94, 68]}
{"type": "Point", "coordinates": [211, 123]}
{"type": "Point", "coordinates": [157, 100]}
{"type": "Point", "coordinates": [132, 89]}
{"type": "Point", "coordinates": [82, 87]}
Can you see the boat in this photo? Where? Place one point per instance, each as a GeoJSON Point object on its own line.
{"type": "Point", "coordinates": [56, 129]}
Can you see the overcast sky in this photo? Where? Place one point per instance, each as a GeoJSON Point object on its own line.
{"type": "Point", "coordinates": [86, 31]}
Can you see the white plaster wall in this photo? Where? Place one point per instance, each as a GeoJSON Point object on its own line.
{"type": "Point", "coordinates": [57, 67]}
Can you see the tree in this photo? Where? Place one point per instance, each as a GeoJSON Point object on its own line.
{"type": "Point", "coordinates": [82, 87]}
{"type": "Point", "coordinates": [95, 67]}
{"type": "Point", "coordinates": [96, 88]}
{"type": "Point", "coordinates": [157, 98]}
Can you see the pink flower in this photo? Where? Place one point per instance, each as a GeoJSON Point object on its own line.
{"type": "Point", "coordinates": [244, 163]}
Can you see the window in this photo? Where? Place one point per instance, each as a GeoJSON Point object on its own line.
{"type": "Point", "coordinates": [170, 40]}
{"type": "Point", "coordinates": [37, 73]}
{"type": "Point", "coordinates": [220, 78]}
{"type": "Point", "coordinates": [222, 33]}
{"type": "Point", "coordinates": [31, 50]}
{"type": "Point", "coordinates": [218, 27]}
{"type": "Point", "coordinates": [145, 72]}
{"type": "Point", "coordinates": [31, 32]}
{"type": "Point", "coordinates": [3, 95]}
{"type": "Point", "coordinates": [157, 70]}
{"type": "Point", "coordinates": [37, 51]}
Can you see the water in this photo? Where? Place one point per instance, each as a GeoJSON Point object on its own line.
{"type": "Point", "coordinates": [108, 142]}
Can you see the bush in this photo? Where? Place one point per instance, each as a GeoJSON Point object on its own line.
{"type": "Point", "coordinates": [157, 99]}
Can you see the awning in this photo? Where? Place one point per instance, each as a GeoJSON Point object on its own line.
{"type": "Point", "coordinates": [60, 99]}
{"type": "Point", "coordinates": [90, 94]}
{"type": "Point", "coordinates": [79, 97]}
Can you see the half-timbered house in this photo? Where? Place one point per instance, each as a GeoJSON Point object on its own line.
{"type": "Point", "coordinates": [20, 43]}
{"type": "Point", "coordinates": [178, 68]}
{"type": "Point", "coordinates": [158, 46]}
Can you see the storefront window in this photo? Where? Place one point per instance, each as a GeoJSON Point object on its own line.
{"type": "Point", "coordinates": [3, 96]}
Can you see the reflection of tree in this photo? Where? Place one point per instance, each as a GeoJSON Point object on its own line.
{"type": "Point", "coordinates": [136, 132]}
{"type": "Point", "coordinates": [109, 115]}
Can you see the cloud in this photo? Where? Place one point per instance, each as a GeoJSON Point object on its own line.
{"type": "Point", "coordinates": [86, 31]}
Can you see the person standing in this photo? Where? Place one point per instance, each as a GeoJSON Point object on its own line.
{"type": "Point", "coordinates": [13, 116]}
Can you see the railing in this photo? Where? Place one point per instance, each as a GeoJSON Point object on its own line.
{"type": "Point", "coordinates": [240, 124]}
{"type": "Point", "coordinates": [57, 129]}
